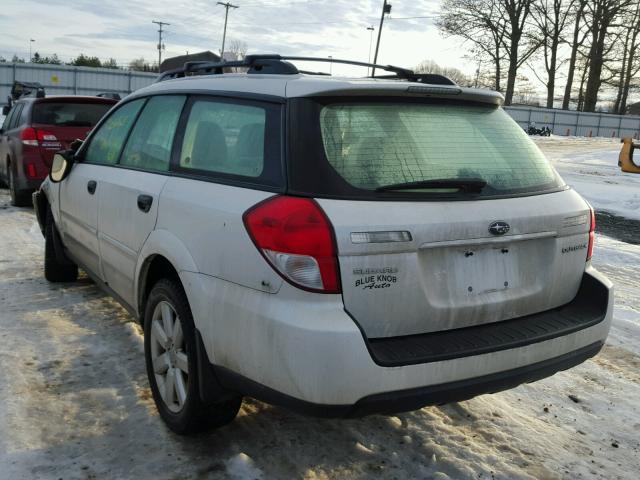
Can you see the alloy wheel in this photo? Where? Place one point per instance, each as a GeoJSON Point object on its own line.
{"type": "Point", "coordinates": [169, 356]}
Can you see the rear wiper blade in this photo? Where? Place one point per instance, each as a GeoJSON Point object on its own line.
{"type": "Point", "coordinates": [467, 185]}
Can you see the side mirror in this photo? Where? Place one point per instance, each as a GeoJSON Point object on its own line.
{"type": "Point", "coordinates": [61, 166]}
{"type": "Point", "coordinates": [5, 110]}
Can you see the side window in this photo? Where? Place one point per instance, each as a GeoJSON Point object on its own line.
{"type": "Point", "coordinates": [225, 138]}
{"type": "Point", "coordinates": [106, 144]}
{"type": "Point", "coordinates": [15, 116]}
{"type": "Point", "coordinates": [23, 120]}
{"type": "Point", "coordinates": [7, 119]}
{"type": "Point", "coordinates": [149, 145]}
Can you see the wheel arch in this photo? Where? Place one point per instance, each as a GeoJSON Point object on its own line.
{"type": "Point", "coordinates": [163, 255]}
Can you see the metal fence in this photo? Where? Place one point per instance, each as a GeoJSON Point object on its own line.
{"type": "Point", "coordinates": [580, 124]}
{"type": "Point", "coordinates": [68, 80]}
{"type": "Point", "coordinates": [63, 79]}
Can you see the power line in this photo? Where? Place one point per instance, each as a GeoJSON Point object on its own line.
{"type": "Point", "coordinates": [226, 6]}
{"type": "Point", "coordinates": [160, 45]}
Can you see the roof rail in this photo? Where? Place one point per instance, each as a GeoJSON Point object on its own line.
{"type": "Point", "coordinates": [279, 64]}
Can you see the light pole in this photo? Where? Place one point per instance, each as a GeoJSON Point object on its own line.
{"type": "Point", "coordinates": [31, 40]}
{"type": "Point", "coordinates": [226, 6]}
{"type": "Point", "coordinates": [386, 9]}
{"type": "Point", "coordinates": [371, 29]}
{"type": "Point", "coordinates": [330, 65]}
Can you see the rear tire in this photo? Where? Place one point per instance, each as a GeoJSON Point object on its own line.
{"type": "Point", "coordinates": [172, 365]}
{"type": "Point", "coordinates": [19, 198]}
{"type": "Point", "coordinates": [54, 269]}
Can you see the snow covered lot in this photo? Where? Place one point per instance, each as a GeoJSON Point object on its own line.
{"type": "Point", "coordinates": [75, 404]}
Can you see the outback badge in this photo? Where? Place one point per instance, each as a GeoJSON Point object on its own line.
{"type": "Point", "coordinates": [499, 228]}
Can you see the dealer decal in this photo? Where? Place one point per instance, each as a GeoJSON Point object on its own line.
{"type": "Point", "coordinates": [375, 278]}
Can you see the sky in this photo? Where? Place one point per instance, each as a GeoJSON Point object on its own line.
{"type": "Point", "coordinates": [123, 30]}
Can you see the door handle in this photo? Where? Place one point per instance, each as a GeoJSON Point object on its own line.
{"type": "Point", "coordinates": [144, 202]}
{"type": "Point", "coordinates": [91, 186]}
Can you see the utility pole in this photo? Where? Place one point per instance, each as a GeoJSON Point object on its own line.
{"type": "Point", "coordinates": [31, 40]}
{"type": "Point", "coordinates": [386, 9]}
{"type": "Point", "coordinates": [371, 29]}
{"type": "Point", "coordinates": [226, 6]}
{"type": "Point", "coordinates": [160, 44]}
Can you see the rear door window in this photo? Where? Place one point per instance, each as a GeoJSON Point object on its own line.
{"type": "Point", "coordinates": [67, 114]}
{"type": "Point", "coordinates": [225, 138]}
{"type": "Point", "coordinates": [7, 120]}
{"type": "Point", "coordinates": [15, 116]}
{"type": "Point", "coordinates": [150, 142]}
{"type": "Point", "coordinates": [106, 144]}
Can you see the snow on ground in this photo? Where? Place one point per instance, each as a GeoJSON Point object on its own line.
{"type": "Point", "coordinates": [75, 402]}
{"type": "Point", "coordinates": [590, 165]}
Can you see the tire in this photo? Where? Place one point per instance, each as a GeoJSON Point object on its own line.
{"type": "Point", "coordinates": [174, 355]}
{"type": "Point", "coordinates": [54, 269]}
{"type": "Point", "coordinates": [19, 198]}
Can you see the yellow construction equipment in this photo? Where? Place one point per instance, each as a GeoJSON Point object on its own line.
{"type": "Point", "coordinates": [626, 161]}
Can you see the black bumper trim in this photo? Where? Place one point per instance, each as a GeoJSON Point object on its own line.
{"type": "Point", "coordinates": [414, 398]}
{"type": "Point", "coordinates": [587, 309]}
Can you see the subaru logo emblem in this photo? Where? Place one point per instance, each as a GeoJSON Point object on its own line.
{"type": "Point", "coordinates": [499, 228]}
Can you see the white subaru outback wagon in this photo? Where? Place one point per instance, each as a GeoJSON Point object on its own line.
{"type": "Point", "coordinates": [337, 246]}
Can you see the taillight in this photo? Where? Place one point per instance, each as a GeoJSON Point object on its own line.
{"type": "Point", "coordinates": [29, 137]}
{"type": "Point", "coordinates": [592, 234]}
{"type": "Point", "coordinates": [32, 137]}
{"type": "Point", "coordinates": [297, 239]}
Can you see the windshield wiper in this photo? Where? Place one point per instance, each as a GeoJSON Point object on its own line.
{"type": "Point", "coordinates": [466, 185]}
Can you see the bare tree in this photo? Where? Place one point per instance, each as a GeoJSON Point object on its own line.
{"type": "Point", "coordinates": [518, 45]}
{"type": "Point", "coordinates": [630, 64]}
{"type": "Point", "coordinates": [480, 24]}
{"type": "Point", "coordinates": [577, 40]}
{"type": "Point", "coordinates": [496, 29]}
{"type": "Point", "coordinates": [551, 18]}
{"type": "Point", "coordinates": [601, 16]}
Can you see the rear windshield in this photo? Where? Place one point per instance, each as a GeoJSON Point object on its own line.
{"type": "Point", "coordinates": [69, 114]}
{"type": "Point", "coordinates": [372, 146]}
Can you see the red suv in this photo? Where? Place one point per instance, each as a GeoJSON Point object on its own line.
{"type": "Point", "coordinates": [34, 130]}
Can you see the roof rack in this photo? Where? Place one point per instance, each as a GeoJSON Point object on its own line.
{"type": "Point", "coordinates": [279, 65]}
{"type": "Point", "coordinates": [26, 89]}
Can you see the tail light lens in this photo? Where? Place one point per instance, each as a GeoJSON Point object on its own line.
{"type": "Point", "coordinates": [29, 137]}
{"type": "Point", "coordinates": [592, 235]}
{"type": "Point", "coordinates": [32, 137]}
{"type": "Point", "coordinates": [297, 239]}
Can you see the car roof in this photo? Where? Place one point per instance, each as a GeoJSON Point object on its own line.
{"type": "Point", "coordinates": [304, 85]}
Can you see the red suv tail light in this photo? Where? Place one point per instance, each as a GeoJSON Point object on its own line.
{"type": "Point", "coordinates": [297, 239]}
{"type": "Point", "coordinates": [592, 234]}
{"type": "Point", "coordinates": [32, 137]}
{"type": "Point", "coordinates": [29, 137]}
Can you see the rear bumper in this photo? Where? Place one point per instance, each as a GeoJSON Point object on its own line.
{"type": "Point", "coordinates": [25, 182]}
{"type": "Point", "coordinates": [303, 351]}
{"type": "Point", "coordinates": [414, 398]}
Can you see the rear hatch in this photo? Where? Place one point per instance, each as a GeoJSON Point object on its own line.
{"type": "Point", "coordinates": [446, 214]}
{"type": "Point", "coordinates": [58, 121]}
